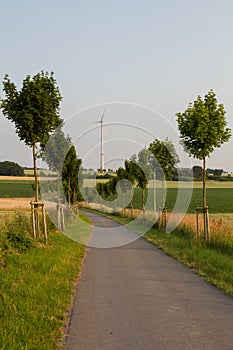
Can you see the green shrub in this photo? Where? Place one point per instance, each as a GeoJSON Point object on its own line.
{"type": "Point", "coordinates": [16, 233]}
{"type": "Point", "coordinates": [19, 241]}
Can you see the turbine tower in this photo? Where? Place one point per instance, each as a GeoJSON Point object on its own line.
{"type": "Point", "coordinates": [102, 143]}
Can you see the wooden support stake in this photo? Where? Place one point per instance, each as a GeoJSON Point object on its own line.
{"type": "Point", "coordinates": [207, 225]}
{"type": "Point", "coordinates": [165, 217]}
{"type": "Point", "coordinates": [197, 222]}
{"type": "Point", "coordinates": [160, 218]}
{"type": "Point", "coordinates": [62, 220]}
{"type": "Point", "coordinates": [45, 224]}
{"type": "Point", "coordinates": [58, 217]}
{"type": "Point", "coordinates": [37, 219]}
{"type": "Point", "coordinates": [205, 221]}
{"type": "Point", "coordinates": [33, 220]}
{"type": "Point", "coordinates": [35, 206]}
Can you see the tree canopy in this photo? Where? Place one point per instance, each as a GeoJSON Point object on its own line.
{"type": "Point", "coordinates": [34, 109]}
{"type": "Point", "coordinates": [202, 126]}
{"type": "Point", "coordinates": [8, 168]}
{"type": "Point", "coordinates": [56, 149]}
{"type": "Point", "coordinates": [197, 172]}
{"type": "Point", "coordinates": [163, 158]}
{"type": "Point", "coordinates": [71, 178]}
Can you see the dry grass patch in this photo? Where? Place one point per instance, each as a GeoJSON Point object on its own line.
{"type": "Point", "coordinates": [8, 204]}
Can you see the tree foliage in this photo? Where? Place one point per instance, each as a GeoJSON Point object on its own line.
{"type": "Point", "coordinates": [143, 160]}
{"type": "Point", "coordinates": [218, 172]}
{"type": "Point", "coordinates": [123, 174]}
{"type": "Point", "coordinates": [56, 149]}
{"type": "Point", "coordinates": [138, 171]}
{"type": "Point", "coordinates": [8, 168]}
{"type": "Point", "coordinates": [197, 172]}
{"type": "Point", "coordinates": [34, 109]}
{"type": "Point", "coordinates": [202, 126]}
{"type": "Point", "coordinates": [163, 158]}
{"type": "Point", "coordinates": [71, 176]}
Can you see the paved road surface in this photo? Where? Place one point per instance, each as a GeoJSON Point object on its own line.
{"type": "Point", "coordinates": [135, 297]}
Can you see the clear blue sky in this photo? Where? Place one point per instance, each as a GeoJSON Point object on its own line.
{"type": "Point", "coordinates": [159, 54]}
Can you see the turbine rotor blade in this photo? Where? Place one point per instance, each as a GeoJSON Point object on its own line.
{"type": "Point", "coordinates": [93, 123]}
{"type": "Point", "coordinates": [108, 127]}
{"type": "Point", "coordinates": [103, 114]}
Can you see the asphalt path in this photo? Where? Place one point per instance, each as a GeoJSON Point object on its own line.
{"type": "Point", "coordinates": [136, 297]}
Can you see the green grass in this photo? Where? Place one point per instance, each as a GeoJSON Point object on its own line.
{"type": "Point", "coordinates": [219, 196]}
{"type": "Point", "coordinates": [16, 189]}
{"type": "Point", "coordinates": [219, 200]}
{"type": "Point", "coordinates": [171, 184]}
{"type": "Point", "coordinates": [35, 293]}
{"type": "Point", "coordinates": [79, 229]}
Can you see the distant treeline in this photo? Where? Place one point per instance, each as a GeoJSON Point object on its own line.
{"type": "Point", "coordinates": [179, 174]}
{"type": "Point", "coordinates": [8, 168]}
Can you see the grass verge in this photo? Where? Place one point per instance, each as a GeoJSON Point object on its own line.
{"type": "Point", "coordinates": [36, 291]}
{"type": "Point", "coordinates": [79, 229]}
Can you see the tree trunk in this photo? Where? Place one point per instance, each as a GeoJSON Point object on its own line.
{"type": "Point", "coordinates": [36, 208]}
{"type": "Point", "coordinates": [154, 193]}
{"type": "Point", "coordinates": [143, 205]}
{"type": "Point", "coordinates": [75, 202]}
{"type": "Point", "coordinates": [204, 199]}
{"type": "Point", "coordinates": [74, 198]}
{"type": "Point", "coordinates": [58, 188]}
{"type": "Point", "coordinates": [163, 192]}
{"type": "Point", "coordinates": [69, 192]}
{"type": "Point", "coordinates": [204, 182]}
{"type": "Point", "coordinates": [35, 173]}
{"type": "Point", "coordinates": [131, 207]}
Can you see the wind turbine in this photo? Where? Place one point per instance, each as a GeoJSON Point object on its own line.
{"type": "Point", "coordinates": [102, 169]}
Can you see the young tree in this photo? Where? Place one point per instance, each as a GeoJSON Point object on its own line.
{"type": "Point", "coordinates": [112, 184]}
{"type": "Point", "coordinates": [55, 152]}
{"type": "Point", "coordinates": [34, 110]}
{"type": "Point", "coordinates": [56, 149]}
{"type": "Point", "coordinates": [70, 175]}
{"type": "Point", "coordinates": [100, 190]}
{"type": "Point", "coordinates": [129, 167]}
{"type": "Point", "coordinates": [138, 172]}
{"type": "Point", "coordinates": [124, 176]}
{"type": "Point", "coordinates": [143, 160]}
{"type": "Point", "coordinates": [163, 160]}
{"type": "Point", "coordinates": [202, 128]}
